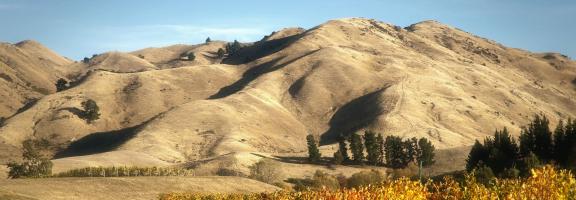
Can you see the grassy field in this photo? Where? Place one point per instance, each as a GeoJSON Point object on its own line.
{"type": "Point", "coordinates": [124, 188]}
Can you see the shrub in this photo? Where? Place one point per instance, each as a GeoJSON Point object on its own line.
{"type": "Point", "coordinates": [208, 40]}
{"type": "Point", "coordinates": [338, 158]}
{"type": "Point", "coordinates": [267, 171]}
{"type": "Point", "coordinates": [483, 174]}
{"type": "Point", "coordinates": [34, 165]}
{"type": "Point", "coordinates": [365, 178]}
{"type": "Point", "coordinates": [191, 56]}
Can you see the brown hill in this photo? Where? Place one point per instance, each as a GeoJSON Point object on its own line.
{"type": "Point", "coordinates": [28, 71]}
{"type": "Point", "coordinates": [427, 80]}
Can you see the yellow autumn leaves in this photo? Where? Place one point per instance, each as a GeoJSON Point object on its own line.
{"type": "Point", "coordinates": [545, 183]}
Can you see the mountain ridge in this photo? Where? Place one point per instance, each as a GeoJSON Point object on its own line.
{"type": "Point", "coordinates": [426, 80]}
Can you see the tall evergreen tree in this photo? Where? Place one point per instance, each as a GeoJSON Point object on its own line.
{"type": "Point", "coordinates": [426, 152]}
{"type": "Point", "coordinates": [503, 151]}
{"type": "Point", "coordinates": [395, 154]}
{"type": "Point", "coordinates": [411, 150]}
{"type": "Point", "coordinates": [371, 147]}
{"type": "Point", "coordinates": [357, 148]}
{"type": "Point", "coordinates": [570, 132]}
{"type": "Point", "coordinates": [313, 152]}
{"type": "Point", "coordinates": [560, 145]}
{"type": "Point", "coordinates": [343, 148]}
{"type": "Point", "coordinates": [478, 154]}
{"type": "Point", "coordinates": [380, 144]}
{"type": "Point", "coordinates": [543, 138]}
{"type": "Point", "coordinates": [537, 138]}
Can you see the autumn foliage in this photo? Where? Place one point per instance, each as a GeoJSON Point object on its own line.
{"type": "Point", "coordinates": [543, 184]}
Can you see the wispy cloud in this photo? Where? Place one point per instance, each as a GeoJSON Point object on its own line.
{"type": "Point", "coordinates": [134, 37]}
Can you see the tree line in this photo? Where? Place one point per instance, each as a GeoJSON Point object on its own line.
{"type": "Point", "coordinates": [124, 171]}
{"type": "Point", "coordinates": [504, 156]}
{"type": "Point", "coordinates": [374, 149]}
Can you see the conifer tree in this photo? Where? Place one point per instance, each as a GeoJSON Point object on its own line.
{"type": "Point", "coordinates": [537, 138]}
{"type": "Point", "coordinates": [411, 150]}
{"type": "Point", "coordinates": [357, 148]}
{"type": "Point", "coordinates": [426, 152]}
{"type": "Point", "coordinates": [233, 48]}
{"type": "Point", "coordinates": [343, 148]}
{"type": "Point", "coordinates": [371, 147]}
{"type": "Point", "coordinates": [477, 154]}
{"type": "Point", "coordinates": [208, 40]}
{"type": "Point", "coordinates": [560, 145]}
{"type": "Point", "coordinates": [380, 145]}
{"type": "Point", "coordinates": [395, 154]}
{"type": "Point", "coordinates": [503, 151]}
{"type": "Point", "coordinates": [313, 152]}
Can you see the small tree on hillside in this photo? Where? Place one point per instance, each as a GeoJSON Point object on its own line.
{"type": "Point", "coordinates": [86, 60]}
{"type": "Point", "coordinates": [233, 48]}
{"type": "Point", "coordinates": [91, 111]}
{"type": "Point", "coordinates": [313, 152]}
{"type": "Point", "coordinates": [191, 56]}
{"type": "Point", "coordinates": [357, 148]}
{"type": "Point", "coordinates": [208, 40]}
{"type": "Point", "coordinates": [61, 84]}
{"type": "Point", "coordinates": [220, 53]}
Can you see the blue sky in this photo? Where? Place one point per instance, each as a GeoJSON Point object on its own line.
{"type": "Point", "coordinates": [78, 28]}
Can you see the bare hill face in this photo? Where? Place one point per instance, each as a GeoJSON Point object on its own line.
{"type": "Point", "coordinates": [28, 71]}
{"type": "Point", "coordinates": [427, 80]}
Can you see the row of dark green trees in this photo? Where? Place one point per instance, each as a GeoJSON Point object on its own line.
{"type": "Point", "coordinates": [504, 156]}
{"type": "Point", "coordinates": [373, 149]}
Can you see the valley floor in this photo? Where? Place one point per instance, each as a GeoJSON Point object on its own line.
{"type": "Point", "coordinates": [123, 188]}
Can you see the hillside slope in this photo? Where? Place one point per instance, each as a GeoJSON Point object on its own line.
{"type": "Point", "coordinates": [28, 71]}
{"type": "Point", "coordinates": [427, 80]}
